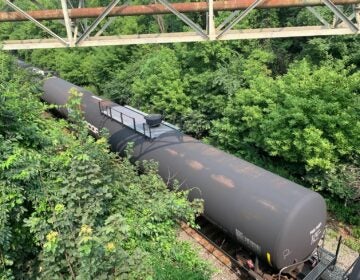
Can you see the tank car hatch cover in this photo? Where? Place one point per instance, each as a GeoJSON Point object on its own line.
{"type": "Point", "coordinates": [153, 120]}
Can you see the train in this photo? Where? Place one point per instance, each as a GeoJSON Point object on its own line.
{"type": "Point", "coordinates": [279, 221]}
{"type": "Point", "coordinates": [282, 222]}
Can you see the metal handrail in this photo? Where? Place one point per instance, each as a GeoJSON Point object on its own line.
{"type": "Point", "coordinates": [144, 129]}
{"type": "Point", "coordinates": [122, 117]}
{"type": "Point", "coordinates": [100, 106]}
{"type": "Point", "coordinates": [109, 112]}
{"type": "Point", "coordinates": [334, 261]}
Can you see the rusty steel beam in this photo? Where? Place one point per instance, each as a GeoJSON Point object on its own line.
{"type": "Point", "coordinates": [154, 9]}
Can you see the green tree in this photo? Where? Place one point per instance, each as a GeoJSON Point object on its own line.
{"type": "Point", "coordinates": [158, 86]}
{"type": "Point", "coordinates": [307, 118]}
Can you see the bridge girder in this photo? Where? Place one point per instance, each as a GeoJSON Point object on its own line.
{"type": "Point", "coordinates": [343, 24]}
{"type": "Point", "coordinates": [152, 9]}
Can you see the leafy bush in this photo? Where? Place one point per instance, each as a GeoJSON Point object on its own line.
{"type": "Point", "coordinates": [303, 119]}
{"type": "Point", "coordinates": [70, 209]}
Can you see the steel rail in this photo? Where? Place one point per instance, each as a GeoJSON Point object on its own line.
{"type": "Point", "coordinates": [154, 9]}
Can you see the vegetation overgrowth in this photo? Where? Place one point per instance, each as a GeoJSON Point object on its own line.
{"type": "Point", "coordinates": [70, 209]}
{"type": "Point", "coordinates": [290, 105]}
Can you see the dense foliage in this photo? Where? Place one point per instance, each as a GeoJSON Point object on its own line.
{"type": "Point", "coordinates": [69, 209]}
{"type": "Point", "coordinates": [304, 119]}
{"type": "Point", "coordinates": [289, 105]}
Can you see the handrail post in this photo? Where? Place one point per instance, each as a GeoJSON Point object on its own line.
{"type": "Point", "coordinates": [100, 107]}
{"type": "Point", "coordinates": [337, 250]}
{"type": "Point", "coordinates": [150, 131]}
{"type": "Point", "coordinates": [110, 112]}
{"type": "Point", "coordinates": [121, 117]}
{"type": "Point", "coordinates": [134, 123]}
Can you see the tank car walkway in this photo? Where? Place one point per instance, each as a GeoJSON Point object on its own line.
{"type": "Point", "coordinates": [326, 261]}
{"type": "Point", "coordinates": [135, 120]}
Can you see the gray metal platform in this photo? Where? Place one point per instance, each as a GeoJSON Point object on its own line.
{"type": "Point", "coordinates": [327, 260]}
{"type": "Point", "coordinates": [135, 120]}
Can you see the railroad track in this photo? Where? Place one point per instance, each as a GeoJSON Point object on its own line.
{"type": "Point", "coordinates": [228, 251]}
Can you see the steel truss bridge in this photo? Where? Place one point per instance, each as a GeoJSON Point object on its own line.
{"type": "Point", "coordinates": [74, 18]}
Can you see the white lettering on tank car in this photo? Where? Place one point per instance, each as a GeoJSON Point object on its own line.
{"type": "Point", "coordinates": [92, 128]}
{"type": "Point", "coordinates": [315, 233]}
{"type": "Point", "coordinates": [286, 253]}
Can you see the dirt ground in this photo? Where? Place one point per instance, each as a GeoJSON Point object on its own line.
{"type": "Point", "coordinates": [346, 257]}
{"type": "Point", "coordinates": [222, 272]}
